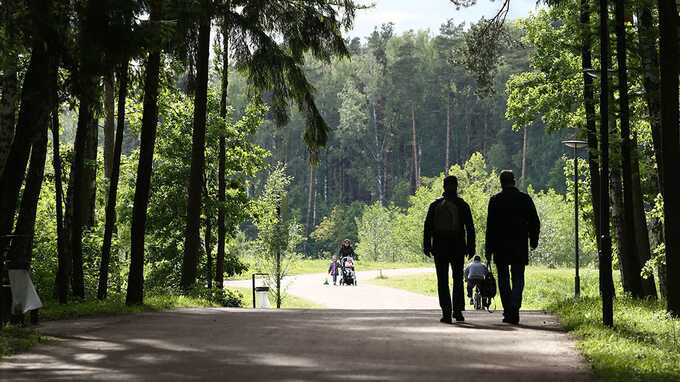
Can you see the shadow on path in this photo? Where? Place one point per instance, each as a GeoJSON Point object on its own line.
{"type": "Point", "coordinates": [300, 345]}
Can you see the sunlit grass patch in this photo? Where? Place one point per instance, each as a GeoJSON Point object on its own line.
{"type": "Point", "coordinates": [644, 344]}
{"type": "Point", "coordinates": [15, 339]}
{"type": "Point", "coordinates": [116, 305]}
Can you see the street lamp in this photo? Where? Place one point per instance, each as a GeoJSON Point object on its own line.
{"type": "Point", "coordinates": [576, 144]}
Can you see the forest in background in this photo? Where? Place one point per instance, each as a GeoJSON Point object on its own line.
{"type": "Point", "coordinates": [165, 164]}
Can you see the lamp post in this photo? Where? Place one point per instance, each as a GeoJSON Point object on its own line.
{"type": "Point", "coordinates": [576, 144]}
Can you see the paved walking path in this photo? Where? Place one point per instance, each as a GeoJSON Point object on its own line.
{"type": "Point", "coordinates": [363, 296]}
{"type": "Point", "coordinates": [300, 345]}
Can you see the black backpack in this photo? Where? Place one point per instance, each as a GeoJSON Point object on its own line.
{"type": "Point", "coordinates": [447, 218]}
{"type": "Point", "coordinates": [488, 288]}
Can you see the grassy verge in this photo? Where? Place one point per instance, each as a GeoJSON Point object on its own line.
{"type": "Point", "coordinates": [543, 285]}
{"type": "Point", "coordinates": [644, 344]}
{"type": "Point", "coordinates": [321, 266]}
{"type": "Point", "coordinates": [116, 305]}
{"type": "Point", "coordinates": [14, 340]}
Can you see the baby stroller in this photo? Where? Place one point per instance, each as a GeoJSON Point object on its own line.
{"type": "Point", "coordinates": [348, 272]}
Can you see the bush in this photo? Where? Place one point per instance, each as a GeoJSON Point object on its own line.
{"type": "Point", "coordinates": [388, 233]}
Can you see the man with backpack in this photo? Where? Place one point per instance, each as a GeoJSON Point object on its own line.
{"type": "Point", "coordinates": [512, 223]}
{"type": "Point", "coordinates": [449, 235]}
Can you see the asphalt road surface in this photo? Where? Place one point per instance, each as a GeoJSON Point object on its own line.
{"type": "Point", "coordinates": [300, 345]}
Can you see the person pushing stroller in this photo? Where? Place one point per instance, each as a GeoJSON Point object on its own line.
{"type": "Point", "coordinates": [475, 274]}
{"type": "Point", "coordinates": [347, 260]}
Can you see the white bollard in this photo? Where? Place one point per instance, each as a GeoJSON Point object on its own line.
{"type": "Point", "coordinates": [262, 298]}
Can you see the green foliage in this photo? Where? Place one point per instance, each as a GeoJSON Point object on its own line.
{"type": "Point", "coordinates": [375, 227]}
{"type": "Point", "coordinates": [643, 346]}
{"type": "Point", "coordinates": [340, 224]}
{"type": "Point", "coordinates": [278, 235]}
{"type": "Point", "coordinates": [386, 233]}
{"type": "Point", "coordinates": [15, 339]}
{"type": "Point", "coordinates": [551, 91]}
{"type": "Point", "coordinates": [165, 228]}
{"type": "Point", "coordinates": [165, 224]}
{"type": "Point", "coordinates": [152, 302]}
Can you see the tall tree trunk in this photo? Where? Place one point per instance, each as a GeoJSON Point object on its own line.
{"type": "Point", "coordinates": [33, 116]}
{"type": "Point", "coordinates": [64, 262]}
{"type": "Point", "coordinates": [92, 19]}
{"type": "Point", "coordinates": [649, 58]}
{"type": "Point", "coordinates": [310, 201]}
{"type": "Point", "coordinates": [626, 266]}
{"type": "Point", "coordinates": [525, 144]}
{"type": "Point", "coordinates": [8, 79]}
{"type": "Point", "coordinates": [670, 147]}
{"type": "Point", "coordinates": [135, 290]}
{"type": "Point", "coordinates": [20, 252]}
{"type": "Point", "coordinates": [643, 247]}
{"type": "Point", "coordinates": [484, 134]}
{"type": "Point", "coordinates": [109, 123]}
{"type": "Point", "coordinates": [447, 164]}
{"type": "Point", "coordinates": [110, 222]}
{"type": "Point", "coordinates": [605, 256]}
{"type": "Point", "coordinates": [8, 108]}
{"type": "Point", "coordinates": [414, 142]}
{"type": "Point", "coordinates": [378, 157]}
{"type": "Point", "coordinates": [192, 232]}
{"type": "Point", "coordinates": [647, 47]}
{"type": "Point", "coordinates": [91, 173]}
{"type": "Point", "coordinates": [221, 171]}
{"type": "Point", "coordinates": [631, 258]}
{"type": "Point", "coordinates": [207, 241]}
{"type": "Point", "coordinates": [589, 105]}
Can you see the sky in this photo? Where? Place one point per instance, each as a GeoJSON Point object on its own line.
{"type": "Point", "coordinates": [429, 14]}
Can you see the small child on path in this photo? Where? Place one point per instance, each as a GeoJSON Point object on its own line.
{"type": "Point", "coordinates": [334, 269]}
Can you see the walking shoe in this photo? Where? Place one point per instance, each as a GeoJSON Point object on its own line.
{"type": "Point", "coordinates": [511, 320]}
{"type": "Point", "coordinates": [458, 316]}
{"type": "Point", "coordinates": [446, 320]}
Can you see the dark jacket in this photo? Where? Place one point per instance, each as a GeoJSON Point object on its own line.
{"type": "Point", "coordinates": [512, 223]}
{"type": "Point", "coordinates": [464, 244]}
{"type": "Point", "coordinates": [347, 251]}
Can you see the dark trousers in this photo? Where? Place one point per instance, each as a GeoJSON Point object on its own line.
{"type": "Point", "coordinates": [450, 301]}
{"type": "Point", "coordinates": [511, 290]}
{"type": "Point", "coordinates": [471, 284]}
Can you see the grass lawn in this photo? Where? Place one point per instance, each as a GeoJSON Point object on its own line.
{"type": "Point", "coordinates": [543, 285]}
{"type": "Point", "coordinates": [321, 266]}
{"type": "Point", "coordinates": [644, 344]}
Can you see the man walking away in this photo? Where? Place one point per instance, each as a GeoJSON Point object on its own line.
{"type": "Point", "coordinates": [512, 222]}
{"type": "Point", "coordinates": [449, 235]}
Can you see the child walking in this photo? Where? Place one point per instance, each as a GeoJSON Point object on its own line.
{"type": "Point", "coordinates": [334, 269]}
